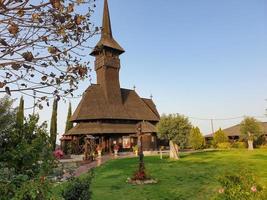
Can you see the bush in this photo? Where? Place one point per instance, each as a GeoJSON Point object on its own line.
{"type": "Point", "coordinates": [25, 155]}
{"type": "Point", "coordinates": [239, 145]}
{"type": "Point", "coordinates": [219, 137]}
{"type": "Point", "coordinates": [78, 188]}
{"type": "Point", "coordinates": [241, 185]}
{"type": "Point", "coordinates": [34, 190]}
{"type": "Point", "coordinates": [196, 139]}
{"type": "Point", "coordinates": [261, 140]}
{"type": "Point", "coordinates": [224, 145]}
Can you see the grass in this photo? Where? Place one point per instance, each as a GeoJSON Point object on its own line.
{"type": "Point", "coordinates": [193, 177]}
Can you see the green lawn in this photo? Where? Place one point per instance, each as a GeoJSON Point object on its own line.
{"type": "Point", "coordinates": [193, 177]}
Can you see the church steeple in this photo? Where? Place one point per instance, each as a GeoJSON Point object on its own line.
{"type": "Point", "coordinates": [107, 39]}
{"type": "Point", "coordinates": [107, 62]}
{"type": "Point", "coordinates": [106, 24]}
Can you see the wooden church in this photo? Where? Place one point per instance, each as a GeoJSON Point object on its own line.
{"type": "Point", "coordinates": [107, 112]}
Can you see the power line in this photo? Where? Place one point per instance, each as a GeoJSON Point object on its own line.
{"type": "Point", "coordinates": [223, 119]}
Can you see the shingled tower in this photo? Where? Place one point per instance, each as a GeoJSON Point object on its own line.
{"type": "Point", "coordinates": [107, 63]}
{"type": "Point", "coordinates": [107, 111]}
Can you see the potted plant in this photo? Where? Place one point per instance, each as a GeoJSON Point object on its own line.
{"type": "Point", "coordinates": [99, 150]}
{"type": "Point", "coordinates": [135, 150]}
{"type": "Point", "coordinates": [116, 149]}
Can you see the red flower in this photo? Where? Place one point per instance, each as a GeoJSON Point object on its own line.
{"type": "Point", "coordinates": [140, 176]}
{"type": "Point", "coordinates": [58, 154]}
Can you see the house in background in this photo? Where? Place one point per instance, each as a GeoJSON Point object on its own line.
{"type": "Point", "coordinates": [234, 134]}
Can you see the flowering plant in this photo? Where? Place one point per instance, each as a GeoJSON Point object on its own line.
{"type": "Point", "coordinates": [240, 185]}
{"type": "Point", "coordinates": [58, 154]}
{"type": "Point", "coordinates": [140, 175]}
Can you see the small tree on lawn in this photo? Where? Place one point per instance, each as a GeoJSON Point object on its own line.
{"type": "Point", "coordinates": [251, 129]}
{"type": "Point", "coordinates": [175, 128]}
{"type": "Point", "coordinates": [53, 125]}
{"type": "Point", "coordinates": [219, 137]}
{"type": "Point", "coordinates": [196, 139]}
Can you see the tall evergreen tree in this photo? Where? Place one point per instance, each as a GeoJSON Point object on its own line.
{"type": "Point", "coordinates": [20, 114]}
{"type": "Point", "coordinates": [69, 124]}
{"type": "Point", "coordinates": [53, 125]}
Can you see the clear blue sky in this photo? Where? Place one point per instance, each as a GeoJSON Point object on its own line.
{"type": "Point", "coordinates": [205, 58]}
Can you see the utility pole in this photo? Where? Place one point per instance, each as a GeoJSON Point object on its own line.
{"type": "Point", "coordinates": [212, 126]}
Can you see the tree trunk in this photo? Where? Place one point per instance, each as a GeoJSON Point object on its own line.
{"type": "Point", "coordinates": [250, 145]}
{"type": "Point", "coordinates": [174, 150]}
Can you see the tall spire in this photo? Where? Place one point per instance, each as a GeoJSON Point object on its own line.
{"type": "Point", "coordinates": [106, 24]}
{"type": "Point", "coordinates": [107, 39]}
{"type": "Point", "coordinates": [107, 62]}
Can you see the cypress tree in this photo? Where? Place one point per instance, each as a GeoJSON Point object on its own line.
{"type": "Point", "coordinates": [20, 114]}
{"type": "Point", "coordinates": [69, 124]}
{"type": "Point", "coordinates": [53, 125]}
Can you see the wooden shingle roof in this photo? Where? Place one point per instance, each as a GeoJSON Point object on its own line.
{"type": "Point", "coordinates": [235, 130]}
{"type": "Point", "coordinates": [91, 128]}
{"type": "Point", "coordinates": [94, 106]}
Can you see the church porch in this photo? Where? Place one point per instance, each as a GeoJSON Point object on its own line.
{"type": "Point", "coordinates": [106, 143]}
